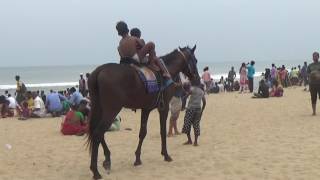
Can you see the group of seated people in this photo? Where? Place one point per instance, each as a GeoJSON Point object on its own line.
{"type": "Point", "coordinates": [264, 92]}
{"type": "Point", "coordinates": [223, 85]}
{"type": "Point", "coordinates": [70, 103]}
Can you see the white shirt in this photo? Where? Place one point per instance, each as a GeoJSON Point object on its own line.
{"type": "Point", "coordinates": [39, 104]}
{"type": "Point", "coordinates": [13, 102]}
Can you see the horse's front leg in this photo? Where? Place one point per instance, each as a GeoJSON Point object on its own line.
{"type": "Point", "coordinates": [143, 132]}
{"type": "Point", "coordinates": [163, 131]}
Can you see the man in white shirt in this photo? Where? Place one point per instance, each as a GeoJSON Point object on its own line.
{"type": "Point", "coordinates": [39, 107]}
{"type": "Point", "coordinates": [12, 102]}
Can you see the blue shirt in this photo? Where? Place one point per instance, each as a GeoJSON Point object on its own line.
{"type": "Point", "coordinates": [53, 102]}
{"type": "Point", "coordinates": [251, 71]}
{"type": "Point", "coordinates": [75, 98]}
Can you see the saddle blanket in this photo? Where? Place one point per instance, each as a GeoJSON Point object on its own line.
{"type": "Point", "coordinates": [148, 77]}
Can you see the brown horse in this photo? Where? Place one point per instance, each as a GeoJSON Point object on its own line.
{"type": "Point", "coordinates": [114, 86]}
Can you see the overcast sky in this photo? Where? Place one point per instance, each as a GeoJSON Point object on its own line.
{"type": "Point", "coordinates": [66, 32]}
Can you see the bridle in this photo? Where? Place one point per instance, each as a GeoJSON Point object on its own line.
{"type": "Point", "coordinates": [186, 61]}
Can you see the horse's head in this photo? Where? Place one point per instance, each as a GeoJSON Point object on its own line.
{"type": "Point", "coordinates": [190, 69]}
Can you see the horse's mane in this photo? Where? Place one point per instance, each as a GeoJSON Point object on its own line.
{"type": "Point", "coordinates": [170, 56]}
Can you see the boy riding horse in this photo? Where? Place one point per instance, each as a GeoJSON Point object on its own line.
{"type": "Point", "coordinates": [135, 48]}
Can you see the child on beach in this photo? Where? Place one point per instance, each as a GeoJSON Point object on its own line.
{"type": "Point", "coordinates": [194, 112]}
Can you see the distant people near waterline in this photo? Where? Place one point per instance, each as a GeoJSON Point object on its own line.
{"type": "Point", "coordinates": [231, 77]}
{"type": "Point", "coordinates": [304, 75]}
{"type": "Point", "coordinates": [20, 90]}
{"type": "Point", "coordinates": [263, 91]}
{"type": "Point", "coordinates": [86, 84]}
{"type": "Point", "coordinates": [82, 84]}
{"type": "Point", "coordinates": [243, 78]}
{"type": "Point", "coordinates": [313, 71]}
{"type": "Point", "coordinates": [273, 73]}
{"type": "Point", "coordinates": [251, 72]}
{"type": "Point", "coordinates": [194, 112]}
{"type": "Point", "coordinates": [53, 103]}
{"type": "Point", "coordinates": [283, 73]}
{"type": "Point", "coordinates": [206, 77]}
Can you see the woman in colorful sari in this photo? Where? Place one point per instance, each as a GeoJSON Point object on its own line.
{"type": "Point", "coordinates": [74, 123]}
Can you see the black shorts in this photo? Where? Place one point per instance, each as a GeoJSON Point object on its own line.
{"type": "Point", "coordinates": [314, 91]}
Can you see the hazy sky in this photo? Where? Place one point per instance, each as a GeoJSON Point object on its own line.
{"type": "Point", "coordinates": [65, 32]}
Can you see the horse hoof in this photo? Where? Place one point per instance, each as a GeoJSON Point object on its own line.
{"type": "Point", "coordinates": [167, 158]}
{"type": "Point", "coordinates": [97, 177]}
{"type": "Point", "coordinates": [137, 163]}
{"type": "Point", "coordinates": [107, 166]}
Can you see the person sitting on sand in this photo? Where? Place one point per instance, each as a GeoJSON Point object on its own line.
{"type": "Point", "coordinates": [30, 100]}
{"type": "Point", "coordinates": [53, 103]}
{"type": "Point", "coordinates": [74, 123]}
{"type": "Point", "coordinates": [39, 109]}
{"type": "Point", "coordinates": [314, 80]}
{"type": "Point", "coordinates": [132, 47]}
{"type": "Point", "coordinates": [24, 111]}
{"type": "Point", "coordinates": [12, 103]}
{"type": "Point", "coordinates": [75, 97]}
{"type": "Point", "coordinates": [4, 107]}
{"type": "Point", "coordinates": [194, 112]}
{"type": "Point", "coordinates": [277, 90]}
{"type": "Point", "coordinates": [263, 91]}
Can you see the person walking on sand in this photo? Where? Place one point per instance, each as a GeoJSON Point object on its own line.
{"type": "Point", "coordinates": [194, 112]}
{"type": "Point", "coordinates": [304, 75]}
{"type": "Point", "coordinates": [314, 80]}
{"type": "Point", "coordinates": [231, 76]}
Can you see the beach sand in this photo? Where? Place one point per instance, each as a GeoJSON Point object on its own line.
{"type": "Point", "coordinates": [241, 139]}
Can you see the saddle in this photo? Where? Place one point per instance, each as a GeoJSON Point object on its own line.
{"type": "Point", "coordinates": [152, 79]}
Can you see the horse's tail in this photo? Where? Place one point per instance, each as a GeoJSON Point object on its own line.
{"type": "Point", "coordinates": [96, 111]}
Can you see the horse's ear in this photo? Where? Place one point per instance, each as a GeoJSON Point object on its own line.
{"type": "Point", "coordinates": [180, 48]}
{"type": "Point", "coordinates": [194, 48]}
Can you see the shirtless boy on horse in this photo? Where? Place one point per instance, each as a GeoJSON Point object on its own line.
{"type": "Point", "coordinates": [135, 48]}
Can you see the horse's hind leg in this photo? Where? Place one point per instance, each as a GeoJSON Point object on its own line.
{"type": "Point", "coordinates": [107, 161]}
{"type": "Point", "coordinates": [142, 134]}
{"type": "Point", "coordinates": [163, 131]}
{"type": "Point", "coordinates": [108, 119]}
{"type": "Point", "coordinates": [94, 156]}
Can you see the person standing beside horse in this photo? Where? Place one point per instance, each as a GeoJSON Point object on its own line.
{"type": "Point", "coordinates": [133, 47]}
{"type": "Point", "coordinates": [175, 108]}
{"type": "Point", "coordinates": [314, 80]}
{"type": "Point", "coordinates": [194, 112]}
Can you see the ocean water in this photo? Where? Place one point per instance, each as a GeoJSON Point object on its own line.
{"type": "Point", "coordinates": [60, 77]}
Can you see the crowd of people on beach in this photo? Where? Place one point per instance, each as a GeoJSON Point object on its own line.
{"type": "Point", "coordinates": [74, 103]}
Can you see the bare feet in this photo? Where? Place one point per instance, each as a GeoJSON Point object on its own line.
{"type": "Point", "coordinates": [187, 143]}
{"type": "Point", "coordinates": [195, 144]}
{"type": "Point", "coordinates": [170, 135]}
{"type": "Point", "coordinates": [177, 133]}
